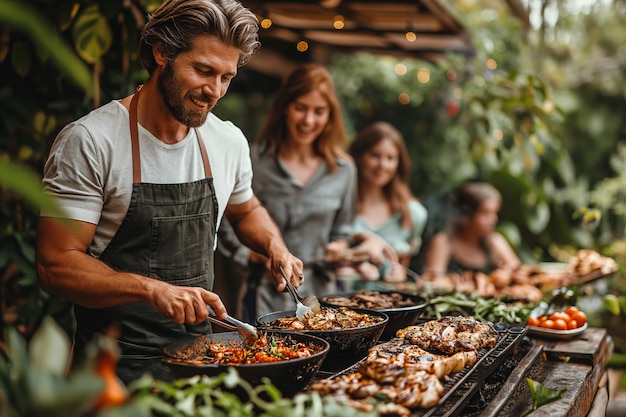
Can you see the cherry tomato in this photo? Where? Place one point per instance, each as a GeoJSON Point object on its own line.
{"type": "Point", "coordinates": [580, 317]}
{"type": "Point", "coordinates": [572, 324]}
{"type": "Point", "coordinates": [533, 321]}
{"type": "Point", "coordinates": [571, 310]}
{"type": "Point", "coordinates": [548, 324]}
{"type": "Point", "coordinates": [560, 324]}
{"type": "Point", "coordinates": [560, 315]}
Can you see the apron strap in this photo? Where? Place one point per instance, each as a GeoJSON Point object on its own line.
{"type": "Point", "coordinates": [134, 139]}
{"type": "Point", "coordinates": [205, 157]}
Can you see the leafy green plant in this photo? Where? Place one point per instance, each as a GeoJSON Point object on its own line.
{"type": "Point", "coordinates": [32, 377]}
{"type": "Point", "coordinates": [542, 395]}
{"type": "Point", "coordinates": [33, 382]}
{"type": "Point", "coordinates": [213, 396]}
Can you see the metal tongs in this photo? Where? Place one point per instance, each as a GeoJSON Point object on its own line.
{"type": "Point", "coordinates": [302, 311]}
{"type": "Point", "coordinates": [246, 330]}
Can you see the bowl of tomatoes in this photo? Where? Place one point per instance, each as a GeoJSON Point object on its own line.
{"type": "Point", "coordinates": [561, 324]}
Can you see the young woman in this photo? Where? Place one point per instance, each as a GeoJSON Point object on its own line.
{"type": "Point", "coordinates": [307, 182]}
{"type": "Point", "coordinates": [385, 203]}
{"type": "Point", "coordinates": [471, 243]}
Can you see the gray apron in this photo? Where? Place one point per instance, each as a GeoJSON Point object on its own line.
{"type": "Point", "coordinates": [167, 234]}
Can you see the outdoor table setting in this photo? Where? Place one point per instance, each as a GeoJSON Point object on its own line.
{"type": "Point", "coordinates": [454, 354]}
{"type": "Point", "coordinates": [466, 376]}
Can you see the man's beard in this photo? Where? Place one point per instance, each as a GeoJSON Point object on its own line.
{"type": "Point", "coordinates": [170, 90]}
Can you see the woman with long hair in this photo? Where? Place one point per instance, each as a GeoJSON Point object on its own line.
{"type": "Point", "coordinates": [386, 205]}
{"type": "Point", "coordinates": [307, 182]}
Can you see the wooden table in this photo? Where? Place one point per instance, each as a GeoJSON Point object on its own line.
{"type": "Point", "coordinates": [579, 365]}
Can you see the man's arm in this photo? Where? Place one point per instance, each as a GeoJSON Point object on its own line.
{"type": "Point", "coordinates": [65, 269]}
{"type": "Point", "coordinates": [256, 229]}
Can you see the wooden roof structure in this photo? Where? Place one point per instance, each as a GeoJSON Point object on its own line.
{"type": "Point", "coordinates": [295, 31]}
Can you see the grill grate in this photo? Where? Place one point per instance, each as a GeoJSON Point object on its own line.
{"type": "Point", "coordinates": [462, 386]}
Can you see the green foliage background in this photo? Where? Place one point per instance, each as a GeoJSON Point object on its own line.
{"type": "Point", "coordinates": [538, 111]}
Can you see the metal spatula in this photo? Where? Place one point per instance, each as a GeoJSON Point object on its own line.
{"type": "Point", "coordinates": [302, 311]}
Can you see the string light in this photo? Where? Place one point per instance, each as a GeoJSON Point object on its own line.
{"type": "Point", "coordinates": [492, 64]}
{"type": "Point", "coordinates": [411, 36]}
{"type": "Point", "coordinates": [423, 75]}
{"type": "Point", "coordinates": [338, 22]}
{"type": "Point", "coordinates": [302, 46]}
{"type": "Point", "coordinates": [400, 69]}
{"type": "Point", "coordinates": [266, 23]}
{"type": "Point", "coordinates": [404, 98]}
{"type": "Point", "coordinates": [330, 4]}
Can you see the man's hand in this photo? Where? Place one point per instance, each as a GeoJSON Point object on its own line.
{"type": "Point", "coordinates": [292, 266]}
{"type": "Point", "coordinates": [184, 304]}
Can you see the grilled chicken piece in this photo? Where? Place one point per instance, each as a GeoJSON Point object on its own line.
{"type": "Point", "coordinates": [383, 359]}
{"type": "Point", "coordinates": [451, 334]}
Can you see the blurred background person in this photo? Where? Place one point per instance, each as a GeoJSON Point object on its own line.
{"type": "Point", "coordinates": [471, 242]}
{"type": "Point", "coordinates": [385, 204]}
{"type": "Point", "coordinates": [307, 182]}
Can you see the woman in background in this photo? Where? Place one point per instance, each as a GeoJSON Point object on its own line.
{"type": "Point", "coordinates": [307, 182]}
{"type": "Point", "coordinates": [385, 204]}
{"type": "Point", "coordinates": [471, 242]}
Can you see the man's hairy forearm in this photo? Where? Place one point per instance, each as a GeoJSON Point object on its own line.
{"type": "Point", "coordinates": [84, 280]}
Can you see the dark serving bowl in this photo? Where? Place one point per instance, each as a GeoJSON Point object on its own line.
{"type": "Point", "coordinates": [347, 346]}
{"type": "Point", "coordinates": [289, 376]}
{"type": "Point", "coordinates": [399, 317]}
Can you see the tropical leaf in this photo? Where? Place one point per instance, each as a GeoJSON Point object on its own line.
{"type": "Point", "coordinates": [23, 18]}
{"type": "Point", "coordinates": [92, 34]}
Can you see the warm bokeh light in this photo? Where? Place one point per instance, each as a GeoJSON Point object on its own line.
{"type": "Point", "coordinates": [338, 22]}
{"type": "Point", "coordinates": [492, 64]}
{"type": "Point", "coordinates": [451, 75]}
{"type": "Point", "coordinates": [411, 36]}
{"type": "Point", "coordinates": [423, 75]}
{"type": "Point", "coordinates": [458, 93]}
{"type": "Point", "coordinates": [404, 98]}
{"type": "Point", "coordinates": [302, 46]}
{"type": "Point", "coordinates": [400, 69]}
{"type": "Point", "coordinates": [498, 135]}
{"type": "Point", "coordinates": [330, 4]}
{"type": "Point", "coordinates": [266, 23]}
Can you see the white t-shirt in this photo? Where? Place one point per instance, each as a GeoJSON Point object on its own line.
{"type": "Point", "coordinates": [89, 169]}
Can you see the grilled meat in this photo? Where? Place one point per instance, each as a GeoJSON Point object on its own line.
{"type": "Point", "coordinates": [451, 334]}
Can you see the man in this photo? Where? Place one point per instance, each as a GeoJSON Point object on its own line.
{"type": "Point", "coordinates": [145, 181]}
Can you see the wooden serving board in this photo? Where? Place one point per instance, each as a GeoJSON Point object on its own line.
{"type": "Point", "coordinates": [588, 348]}
{"type": "Point", "coordinates": [577, 365]}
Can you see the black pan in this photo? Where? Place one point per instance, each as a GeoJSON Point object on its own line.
{"type": "Point", "coordinates": [399, 318]}
{"type": "Point", "coordinates": [347, 346]}
{"type": "Point", "coordinates": [288, 376]}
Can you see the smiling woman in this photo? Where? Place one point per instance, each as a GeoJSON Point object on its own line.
{"type": "Point", "coordinates": [306, 181]}
{"type": "Point", "coordinates": [386, 205]}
